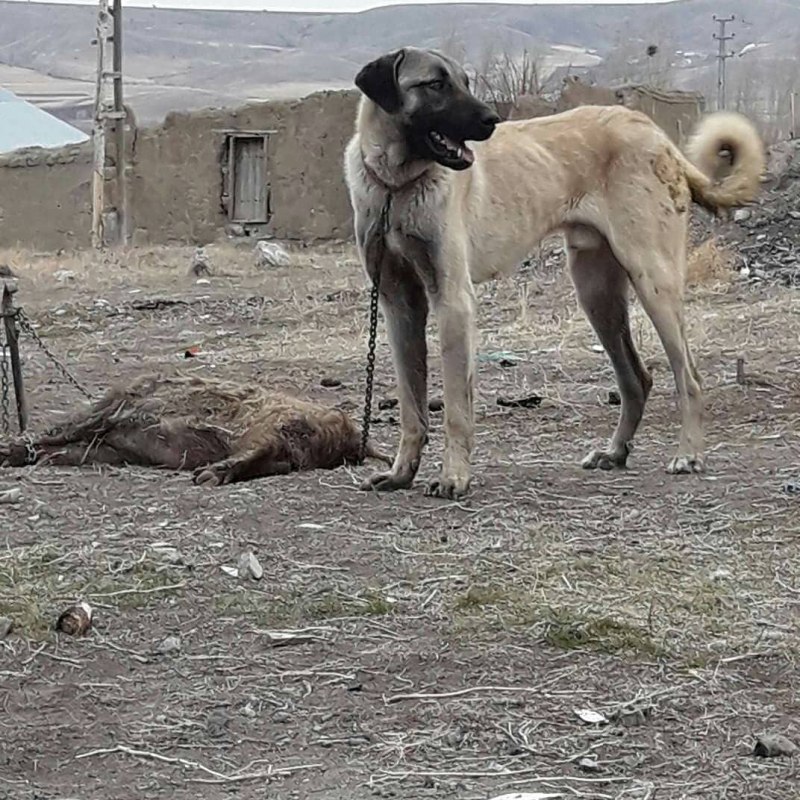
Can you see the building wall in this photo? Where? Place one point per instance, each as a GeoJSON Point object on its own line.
{"type": "Point", "coordinates": [177, 181]}
{"type": "Point", "coordinates": [45, 198]}
{"type": "Point", "coordinates": [176, 178]}
{"type": "Point", "coordinates": [675, 112]}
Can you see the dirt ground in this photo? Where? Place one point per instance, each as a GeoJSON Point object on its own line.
{"type": "Point", "coordinates": [558, 632]}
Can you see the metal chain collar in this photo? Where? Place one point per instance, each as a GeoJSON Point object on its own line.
{"type": "Point", "coordinates": [373, 325]}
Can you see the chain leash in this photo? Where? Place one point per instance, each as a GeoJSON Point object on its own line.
{"type": "Point", "coordinates": [373, 325]}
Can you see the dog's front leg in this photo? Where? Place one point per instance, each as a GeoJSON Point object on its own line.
{"type": "Point", "coordinates": [405, 309]}
{"type": "Point", "coordinates": [455, 311]}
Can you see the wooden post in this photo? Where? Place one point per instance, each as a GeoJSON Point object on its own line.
{"type": "Point", "coordinates": [12, 341]}
{"type": "Point", "coordinates": [100, 128]}
{"type": "Point", "coordinates": [121, 192]}
{"type": "Point", "coordinates": [793, 131]}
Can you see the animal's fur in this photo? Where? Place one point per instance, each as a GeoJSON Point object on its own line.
{"type": "Point", "coordinates": [224, 432]}
{"type": "Point", "coordinates": [607, 177]}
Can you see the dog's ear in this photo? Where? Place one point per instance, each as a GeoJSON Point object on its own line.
{"type": "Point", "coordinates": [378, 81]}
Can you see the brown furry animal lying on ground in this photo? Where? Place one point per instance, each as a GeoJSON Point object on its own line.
{"type": "Point", "coordinates": [222, 431]}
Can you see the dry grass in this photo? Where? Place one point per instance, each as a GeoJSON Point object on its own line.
{"type": "Point", "coordinates": [709, 263]}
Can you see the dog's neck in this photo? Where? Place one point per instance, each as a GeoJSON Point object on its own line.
{"type": "Point", "coordinates": [384, 150]}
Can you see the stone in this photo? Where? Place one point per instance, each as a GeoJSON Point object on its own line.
{"type": "Point", "coordinates": [170, 645]}
{"type": "Point", "coordinates": [11, 496]}
{"type": "Point", "coordinates": [249, 567]}
{"type": "Point", "coordinates": [64, 275]}
{"type": "Point", "coordinates": [774, 746]}
{"type": "Point", "coordinates": [270, 254]}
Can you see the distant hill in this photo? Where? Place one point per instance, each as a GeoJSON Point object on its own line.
{"type": "Point", "coordinates": [186, 59]}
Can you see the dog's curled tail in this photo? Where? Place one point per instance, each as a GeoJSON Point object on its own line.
{"type": "Point", "coordinates": [726, 158]}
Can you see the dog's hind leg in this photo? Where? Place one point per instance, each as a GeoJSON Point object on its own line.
{"type": "Point", "coordinates": [405, 309]}
{"type": "Point", "coordinates": [602, 287]}
{"type": "Point", "coordinates": [652, 249]}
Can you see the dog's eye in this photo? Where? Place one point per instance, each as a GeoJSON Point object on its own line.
{"type": "Point", "coordinates": [436, 85]}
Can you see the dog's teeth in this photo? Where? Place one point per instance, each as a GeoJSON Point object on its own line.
{"type": "Point", "coordinates": [460, 153]}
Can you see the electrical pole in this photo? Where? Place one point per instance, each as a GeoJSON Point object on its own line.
{"type": "Point", "coordinates": [723, 55]}
{"type": "Point", "coordinates": [109, 220]}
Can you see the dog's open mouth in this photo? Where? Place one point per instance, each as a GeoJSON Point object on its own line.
{"type": "Point", "coordinates": [449, 150]}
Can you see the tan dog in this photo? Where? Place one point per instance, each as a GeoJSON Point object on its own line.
{"type": "Point", "coordinates": [437, 217]}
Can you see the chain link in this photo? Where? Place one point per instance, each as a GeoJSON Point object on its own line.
{"type": "Point", "coordinates": [5, 384]}
{"type": "Point", "coordinates": [25, 325]}
{"type": "Point", "coordinates": [373, 327]}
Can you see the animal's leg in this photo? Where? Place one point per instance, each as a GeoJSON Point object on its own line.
{"type": "Point", "coordinates": [602, 288]}
{"type": "Point", "coordinates": [75, 454]}
{"type": "Point", "coordinates": [455, 310]}
{"type": "Point", "coordinates": [405, 309]}
{"type": "Point", "coordinates": [657, 269]}
{"type": "Point", "coordinates": [259, 462]}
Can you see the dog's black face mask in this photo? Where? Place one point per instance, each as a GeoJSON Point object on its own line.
{"type": "Point", "coordinates": [428, 95]}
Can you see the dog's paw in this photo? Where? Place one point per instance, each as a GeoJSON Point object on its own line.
{"type": "Point", "coordinates": [212, 475]}
{"type": "Point", "coordinates": [686, 465]}
{"type": "Point", "coordinates": [606, 459]}
{"type": "Point", "coordinates": [387, 481]}
{"type": "Point", "coordinates": [448, 487]}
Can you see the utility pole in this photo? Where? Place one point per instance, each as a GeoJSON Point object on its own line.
{"type": "Point", "coordinates": [723, 55]}
{"type": "Point", "coordinates": [109, 219]}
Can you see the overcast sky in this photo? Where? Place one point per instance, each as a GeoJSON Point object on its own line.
{"type": "Point", "coordinates": [298, 5]}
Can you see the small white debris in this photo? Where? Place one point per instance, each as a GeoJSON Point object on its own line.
{"type": "Point", "coordinates": [311, 526]}
{"type": "Point", "coordinates": [742, 214]}
{"type": "Point", "coordinates": [172, 644]}
{"type": "Point", "coordinates": [269, 254]}
{"type": "Point", "coordinates": [590, 717]}
{"type": "Point", "coordinates": [232, 571]}
{"type": "Point", "coordinates": [284, 638]}
{"type": "Point", "coordinates": [598, 348]}
{"type": "Point", "coordinates": [249, 567]}
{"type": "Point", "coordinates": [11, 496]}
{"type": "Point", "coordinates": [64, 275]}
{"type": "Point", "coordinates": [721, 574]}
{"type": "Point", "coordinates": [528, 796]}
{"type": "Point", "coordinates": [203, 282]}
{"type": "Point", "coordinates": [588, 764]}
